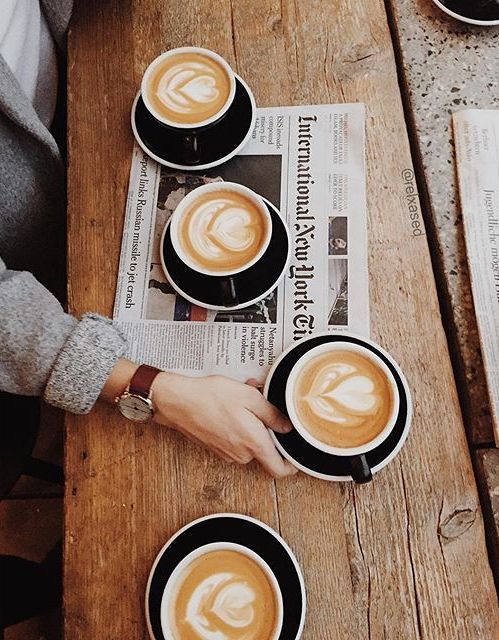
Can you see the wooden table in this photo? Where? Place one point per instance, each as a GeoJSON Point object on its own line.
{"type": "Point", "coordinates": [403, 557]}
{"type": "Point", "coordinates": [441, 68]}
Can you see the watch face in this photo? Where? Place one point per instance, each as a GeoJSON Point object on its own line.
{"type": "Point", "coordinates": [135, 408]}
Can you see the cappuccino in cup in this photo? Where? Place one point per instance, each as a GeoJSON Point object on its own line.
{"type": "Point", "coordinates": [189, 87]}
{"type": "Point", "coordinates": [342, 398]}
{"type": "Point", "coordinates": [225, 591]}
{"type": "Point", "coordinates": [221, 228]}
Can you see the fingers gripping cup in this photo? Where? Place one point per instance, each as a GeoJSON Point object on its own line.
{"type": "Point", "coordinates": [221, 229]}
{"type": "Point", "coordinates": [343, 399]}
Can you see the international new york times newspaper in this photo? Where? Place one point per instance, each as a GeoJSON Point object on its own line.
{"type": "Point", "coordinates": [476, 134]}
{"type": "Point", "coordinates": [307, 161]}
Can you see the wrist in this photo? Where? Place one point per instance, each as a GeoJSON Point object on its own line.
{"type": "Point", "coordinates": [118, 380]}
{"type": "Point", "coordinates": [136, 401]}
{"type": "Point", "coordinates": [168, 392]}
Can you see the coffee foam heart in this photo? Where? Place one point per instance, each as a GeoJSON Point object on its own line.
{"type": "Point", "coordinates": [343, 399]}
{"type": "Point", "coordinates": [185, 87]}
{"type": "Point", "coordinates": [222, 599]}
{"type": "Point", "coordinates": [188, 88]}
{"type": "Point", "coordinates": [222, 230]}
{"type": "Point", "coordinates": [223, 595]}
{"type": "Point", "coordinates": [339, 394]}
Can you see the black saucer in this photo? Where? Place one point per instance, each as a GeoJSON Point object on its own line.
{"type": "Point", "coordinates": [237, 529]}
{"type": "Point", "coordinates": [251, 285]}
{"type": "Point", "coordinates": [477, 12]}
{"type": "Point", "coordinates": [217, 142]}
{"type": "Point", "coordinates": [304, 455]}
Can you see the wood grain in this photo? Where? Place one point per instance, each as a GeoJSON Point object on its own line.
{"type": "Point", "coordinates": [430, 44]}
{"type": "Point", "coordinates": [402, 557]}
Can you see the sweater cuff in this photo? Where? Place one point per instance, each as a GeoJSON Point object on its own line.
{"type": "Point", "coordinates": [84, 364]}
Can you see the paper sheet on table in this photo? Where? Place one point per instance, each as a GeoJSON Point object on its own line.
{"type": "Point", "coordinates": [476, 135]}
{"type": "Point", "coordinates": [309, 162]}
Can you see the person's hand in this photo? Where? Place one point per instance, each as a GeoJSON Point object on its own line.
{"type": "Point", "coordinates": [226, 416]}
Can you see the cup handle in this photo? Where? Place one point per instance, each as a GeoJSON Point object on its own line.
{"type": "Point", "coordinates": [229, 293]}
{"type": "Point", "coordinates": [360, 470]}
{"type": "Point", "coordinates": [190, 146]}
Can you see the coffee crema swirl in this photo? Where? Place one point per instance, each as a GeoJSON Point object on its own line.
{"type": "Point", "coordinates": [223, 595]}
{"type": "Point", "coordinates": [343, 399]}
{"type": "Point", "coordinates": [222, 231]}
{"type": "Point", "coordinates": [187, 88]}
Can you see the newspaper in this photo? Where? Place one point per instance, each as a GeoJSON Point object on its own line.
{"type": "Point", "coordinates": [476, 135]}
{"type": "Point", "coordinates": [307, 161]}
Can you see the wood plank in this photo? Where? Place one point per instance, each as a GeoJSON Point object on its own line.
{"type": "Point", "coordinates": [403, 557]}
{"type": "Point", "coordinates": [442, 67]}
{"type": "Point", "coordinates": [430, 572]}
{"type": "Point", "coordinates": [488, 479]}
{"type": "Point", "coordinates": [128, 488]}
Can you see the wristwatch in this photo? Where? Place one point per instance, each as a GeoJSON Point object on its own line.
{"type": "Point", "coordinates": [135, 403]}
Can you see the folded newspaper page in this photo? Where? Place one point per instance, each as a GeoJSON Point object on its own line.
{"type": "Point", "coordinates": [307, 161]}
{"type": "Point", "coordinates": [476, 135]}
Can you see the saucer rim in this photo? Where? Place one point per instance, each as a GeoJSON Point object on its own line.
{"type": "Point", "coordinates": [202, 167]}
{"type": "Point", "coordinates": [238, 516]}
{"type": "Point", "coordinates": [212, 307]}
{"type": "Point", "coordinates": [461, 18]}
{"type": "Point", "coordinates": [408, 421]}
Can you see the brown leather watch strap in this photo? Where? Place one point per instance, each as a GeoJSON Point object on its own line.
{"type": "Point", "coordinates": [142, 379]}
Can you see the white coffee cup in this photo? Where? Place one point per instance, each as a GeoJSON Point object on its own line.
{"type": "Point", "coordinates": [171, 585]}
{"type": "Point", "coordinates": [180, 50]}
{"type": "Point", "coordinates": [369, 355]}
{"type": "Point", "coordinates": [191, 197]}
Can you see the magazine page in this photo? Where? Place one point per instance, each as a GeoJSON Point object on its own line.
{"type": "Point", "coordinates": [309, 163]}
{"type": "Point", "coordinates": [476, 134]}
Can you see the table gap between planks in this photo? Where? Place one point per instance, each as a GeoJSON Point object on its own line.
{"type": "Point", "coordinates": [403, 557]}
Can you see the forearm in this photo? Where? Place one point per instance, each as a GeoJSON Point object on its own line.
{"type": "Point", "coordinates": [45, 351]}
{"type": "Point", "coordinates": [33, 330]}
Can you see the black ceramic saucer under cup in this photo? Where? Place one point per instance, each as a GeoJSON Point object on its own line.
{"type": "Point", "coordinates": [235, 529]}
{"type": "Point", "coordinates": [252, 285]}
{"type": "Point", "coordinates": [302, 453]}
{"type": "Point", "coordinates": [217, 142]}
{"type": "Point", "coordinates": [480, 12]}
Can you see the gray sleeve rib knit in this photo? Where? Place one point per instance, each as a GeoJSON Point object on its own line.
{"type": "Point", "coordinates": [44, 351]}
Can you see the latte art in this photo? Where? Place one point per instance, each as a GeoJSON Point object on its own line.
{"type": "Point", "coordinates": [223, 595]}
{"type": "Point", "coordinates": [343, 399]}
{"type": "Point", "coordinates": [222, 230]}
{"type": "Point", "coordinates": [188, 88]}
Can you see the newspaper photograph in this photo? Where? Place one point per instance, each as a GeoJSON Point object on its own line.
{"type": "Point", "coordinates": [476, 135]}
{"type": "Point", "coordinates": [309, 163]}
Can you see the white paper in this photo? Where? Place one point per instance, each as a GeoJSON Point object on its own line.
{"type": "Point", "coordinates": [476, 135]}
{"type": "Point", "coordinates": [309, 162]}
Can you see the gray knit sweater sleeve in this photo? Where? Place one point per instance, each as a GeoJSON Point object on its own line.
{"type": "Point", "coordinates": [44, 351]}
